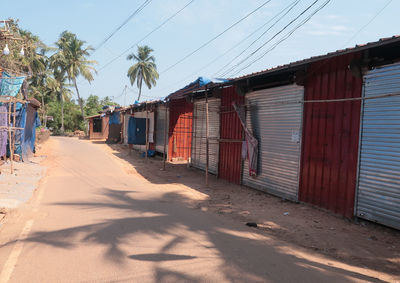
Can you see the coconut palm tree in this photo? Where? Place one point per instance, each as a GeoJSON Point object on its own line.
{"type": "Point", "coordinates": [145, 68]}
{"type": "Point", "coordinates": [72, 59]}
{"type": "Point", "coordinates": [56, 85]}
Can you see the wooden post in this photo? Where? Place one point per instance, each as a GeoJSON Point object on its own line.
{"type": "Point", "coordinates": [207, 145]}
{"type": "Point", "coordinates": [147, 133]}
{"type": "Point", "coordinates": [165, 136]}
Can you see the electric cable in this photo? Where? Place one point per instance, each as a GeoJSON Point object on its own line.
{"type": "Point", "coordinates": [146, 36]}
{"type": "Point", "coordinates": [137, 11]}
{"type": "Point", "coordinates": [215, 37]}
{"type": "Point", "coordinates": [285, 37]}
{"type": "Point", "coordinates": [269, 40]}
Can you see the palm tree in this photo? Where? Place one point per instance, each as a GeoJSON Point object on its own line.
{"type": "Point", "coordinates": [57, 85]}
{"type": "Point", "coordinates": [72, 59]}
{"type": "Point", "coordinates": [145, 68]}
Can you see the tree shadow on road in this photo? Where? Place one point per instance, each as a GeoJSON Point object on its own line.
{"type": "Point", "coordinates": [242, 254]}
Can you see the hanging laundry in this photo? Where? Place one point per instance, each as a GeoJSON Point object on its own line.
{"type": "Point", "coordinates": [3, 131]}
{"type": "Point", "coordinates": [115, 118]}
{"type": "Point", "coordinates": [251, 143]}
{"type": "Point", "coordinates": [9, 85]}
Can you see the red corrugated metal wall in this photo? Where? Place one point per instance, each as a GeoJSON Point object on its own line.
{"type": "Point", "coordinates": [331, 136]}
{"type": "Point", "coordinates": [231, 129]}
{"type": "Point", "coordinates": [180, 129]}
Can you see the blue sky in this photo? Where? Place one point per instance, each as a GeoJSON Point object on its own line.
{"type": "Point", "coordinates": [92, 20]}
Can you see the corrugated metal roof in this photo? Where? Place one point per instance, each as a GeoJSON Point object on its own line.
{"type": "Point", "coordinates": [142, 105]}
{"type": "Point", "coordinates": [200, 83]}
{"type": "Point", "coordinates": [93, 116]}
{"type": "Point", "coordinates": [358, 47]}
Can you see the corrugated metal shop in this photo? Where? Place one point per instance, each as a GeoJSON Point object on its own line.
{"type": "Point", "coordinates": [274, 116]}
{"type": "Point", "coordinates": [231, 137]}
{"type": "Point", "coordinates": [180, 129]}
{"type": "Point", "coordinates": [139, 125]}
{"type": "Point", "coordinates": [378, 196]}
{"type": "Point", "coordinates": [161, 128]}
{"type": "Point", "coordinates": [330, 136]}
{"type": "Point", "coordinates": [199, 136]}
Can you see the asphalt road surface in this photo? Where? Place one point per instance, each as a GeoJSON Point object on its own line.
{"type": "Point", "coordinates": [92, 221]}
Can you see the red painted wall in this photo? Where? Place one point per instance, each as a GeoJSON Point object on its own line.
{"type": "Point", "coordinates": [230, 152]}
{"type": "Point", "coordinates": [331, 136]}
{"type": "Point", "coordinates": [104, 133]}
{"type": "Point", "coordinates": [180, 129]}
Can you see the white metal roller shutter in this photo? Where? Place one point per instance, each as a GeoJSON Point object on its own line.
{"type": "Point", "coordinates": [126, 123]}
{"type": "Point", "coordinates": [160, 125]}
{"type": "Point", "coordinates": [378, 194]}
{"type": "Point", "coordinates": [275, 116]}
{"type": "Point", "coordinates": [198, 159]}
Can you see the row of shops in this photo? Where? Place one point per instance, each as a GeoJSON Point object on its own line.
{"type": "Point", "coordinates": [324, 131]}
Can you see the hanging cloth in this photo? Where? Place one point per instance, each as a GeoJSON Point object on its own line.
{"type": "Point", "coordinates": [9, 85]}
{"type": "Point", "coordinates": [3, 131]}
{"type": "Point", "coordinates": [251, 144]}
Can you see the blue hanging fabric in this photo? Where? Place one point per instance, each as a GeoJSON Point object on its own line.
{"type": "Point", "coordinates": [19, 134]}
{"type": "Point", "coordinates": [3, 131]}
{"type": "Point", "coordinates": [10, 86]}
{"type": "Point", "coordinates": [114, 118]}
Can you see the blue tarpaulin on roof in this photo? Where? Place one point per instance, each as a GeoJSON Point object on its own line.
{"type": "Point", "coordinates": [200, 82]}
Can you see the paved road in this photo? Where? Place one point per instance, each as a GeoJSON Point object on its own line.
{"type": "Point", "coordinates": [90, 221]}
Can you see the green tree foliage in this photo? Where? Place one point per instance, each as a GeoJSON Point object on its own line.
{"type": "Point", "coordinates": [50, 77]}
{"type": "Point", "coordinates": [72, 59]}
{"type": "Point", "coordinates": [144, 69]}
{"type": "Point", "coordinates": [93, 104]}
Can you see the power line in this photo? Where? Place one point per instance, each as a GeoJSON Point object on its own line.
{"type": "Point", "coordinates": [269, 40]}
{"type": "Point", "coordinates": [137, 11]}
{"type": "Point", "coordinates": [288, 8]}
{"type": "Point", "coordinates": [215, 37]}
{"type": "Point", "coordinates": [367, 24]}
{"type": "Point", "coordinates": [147, 35]}
{"type": "Point", "coordinates": [233, 47]}
{"type": "Point", "coordinates": [285, 37]}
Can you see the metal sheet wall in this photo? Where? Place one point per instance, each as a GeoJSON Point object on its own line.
{"type": "Point", "coordinates": [230, 147]}
{"type": "Point", "coordinates": [180, 129]}
{"type": "Point", "coordinates": [379, 166]}
{"type": "Point", "coordinates": [160, 126]}
{"type": "Point", "coordinates": [331, 136]}
{"type": "Point", "coordinates": [199, 153]}
{"type": "Point", "coordinates": [126, 123]}
{"type": "Point", "coordinates": [275, 117]}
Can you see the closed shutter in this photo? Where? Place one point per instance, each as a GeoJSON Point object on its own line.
{"type": "Point", "coordinates": [160, 126]}
{"type": "Point", "coordinates": [379, 165]}
{"type": "Point", "coordinates": [126, 122]}
{"type": "Point", "coordinates": [275, 117]}
{"type": "Point", "coordinates": [199, 134]}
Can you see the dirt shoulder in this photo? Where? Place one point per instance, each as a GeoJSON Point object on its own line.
{"type": "Point", "coordinates": [18, 188]}
{"type": "Point", "coordinates": [362, 244]}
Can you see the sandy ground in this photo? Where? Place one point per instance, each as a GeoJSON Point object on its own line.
{"type": "Point", "coordinates": [360, 243]}
{"type": "Point", "coordinates": [103, 215]}
{"type": "Point", "coordinates": [17, 188]}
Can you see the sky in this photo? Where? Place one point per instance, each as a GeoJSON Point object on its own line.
{"type": "Point", "coordinates": [340, 24]}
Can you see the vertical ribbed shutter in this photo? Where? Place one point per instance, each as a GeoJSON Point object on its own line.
{"type": "Point", "coordinates": [199, 134]}
{"type": "Point", "coordinates": [274, 116]}
{"type": "Point", "coordinates": [160, 125]}
{"type": "Point", "coordinates": [379, 166]}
